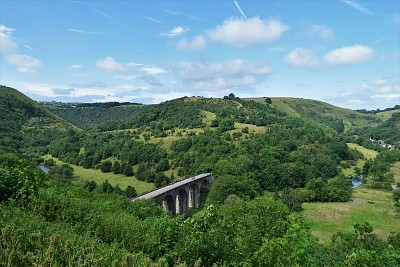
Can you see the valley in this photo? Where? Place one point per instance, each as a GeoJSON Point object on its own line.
{"type": "Point", "coordinates": [282, 170]}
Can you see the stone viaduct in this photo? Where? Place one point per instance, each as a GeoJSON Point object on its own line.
{"type": "Point", "coordinates": [178, 197]}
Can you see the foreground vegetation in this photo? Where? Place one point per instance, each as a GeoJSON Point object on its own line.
{"type": "Point", "coordinates": [58, 224]}
{"type": "Point", "coordinates": [268, 166]}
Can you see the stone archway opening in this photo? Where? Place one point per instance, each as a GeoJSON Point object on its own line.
{"type": "Point", "coordinates": [182, 202]}
{"type": "Point", "coordinates": [194, 196]}
{"type": "Point", "coordinates": [169, 204]}
{"type": "Point", "coordinates": [204, 188]}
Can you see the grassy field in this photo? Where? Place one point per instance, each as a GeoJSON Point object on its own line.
{"type": "Point", "coordinates": [368, 154]}
{"type": "Point", "coordinates": [385, 115]}
{"type": "Point", "coordinates": [368, 205]}
{"type": "Point", "coordinates": [396, 171]}
{"type": "Point", "coordinates": [81, 175]}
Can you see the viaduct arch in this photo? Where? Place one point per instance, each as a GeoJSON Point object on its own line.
{"type": "Point", "coordinates": [178, 197]}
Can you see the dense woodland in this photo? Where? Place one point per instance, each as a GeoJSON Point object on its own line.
{"type": "Point", "coordinates": [46, 220]}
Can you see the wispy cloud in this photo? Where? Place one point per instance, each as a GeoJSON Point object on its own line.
{"type": "Point", "coordinates": [235, 73]}
{"type": "Point", "coordinates": [102, 13]}
{"type": "Point", "coordinates": [239, 9]}
{"type": "Point", "coordinates": [322, 31]}
{"type": "Point", "coordinates": [82, 3]}
{"type": "Point", "coordinates": [74, 66]}
{"type": "Point", "coordinates": [358, 6]}
{"type": "Point", "coordinates": [152, 70]}
{"type": "Point", "coordinates": [28, 47]}
{"type": "Point", "coordinates": [176, 13]}
{"type": "Point", "coordinates": [90, 32]}
{"type": "Point", "coordinates": [152, 19]}
{"type": "Point", "coordinates": [6, 42]}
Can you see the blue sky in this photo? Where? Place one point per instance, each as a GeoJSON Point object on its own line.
{"type": "Point", "coordinates": [344, 52]}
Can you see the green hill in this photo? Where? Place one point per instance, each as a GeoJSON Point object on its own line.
{"type": "Point", "coordinates": [321, 112]}
{"type": "Point", "coordinates": [90, 115]}
{"type": "Point", "coordinates": [25, 123]}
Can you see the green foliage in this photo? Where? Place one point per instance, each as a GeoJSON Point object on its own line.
{"type": "Point", "coordinates": [19, 181]}
{"type": "Point", "coordinates": [228, 185]}
{"type": "Point", "coordinates": [65, 171]}
{"type": "Point", "coordinates": [106, 166]}
{"type": "Point", "coordinates": [91, 115]}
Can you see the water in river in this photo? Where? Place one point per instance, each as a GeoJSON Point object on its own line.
{"type": "Point", "coordinates": [44, 168]}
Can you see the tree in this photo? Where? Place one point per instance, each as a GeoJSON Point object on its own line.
{"type": "Point", "coordinates": [106, 166]}
{"type": "Point", "coordinates": [268, 100]}
{"type": "Point", "coordinates": [130, 192]}
{"type": "Point", "coordinates": [163, 165]}
{"type": "Point", "coordinates": [226, 185]}
{"type": "Point", "coordinates": [65, 171]}
{"type": "Point", "coordinates": [128, 170]}
{"type": "Point", "coordinates": [106, 187]}
{"type": "Point", "coordinates": [90, 186]}
{"type": "Point", "coordinates": [116, 168]}
{"type": "Point", "coordinates": [291, 199]}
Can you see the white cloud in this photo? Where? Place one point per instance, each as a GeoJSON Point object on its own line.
{"type": "Point", "coordinates": [109, 64]}
{"type": "Point", "coordinates": [244, 33]}
{"type": "Point", "coordinates": [300, 57]}
{"type": "Point", "coordinates": [133, 88]}
{"type": "Point", "coordinates": [387, 98]}
{"type": "Point", "coordinates": [152, 70]}
{"type": "Point", "coordinates": [7, 45]}
{"type": "Point", "coordinates": [24, 63]}
{"type": "Point", "coordinates": [229, 74]}
{"type": "Point", "coordinates": [179, 30]}
{"type": "Point", "coordinates": [127, 77]}
{"type": "Point", "coordinates": [74, 66]}
{"type": "Point", "coordinates": [321, 31]}
{"type": "Point", "coordinates": [198, 43]}
{"type": "Point", "coordinates": [349, 55]}
{"type": "Point", "coordinates": [380, 82]}
{"type": "Point", "coordinates": [388, 89]}
{"type": "Point", "coordinates": [357, 6]}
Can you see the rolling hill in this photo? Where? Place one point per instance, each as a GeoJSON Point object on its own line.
{"type": "Point", "coordinates": [25, 123]}
{"type": "Point", "coordinates": [321, 111]}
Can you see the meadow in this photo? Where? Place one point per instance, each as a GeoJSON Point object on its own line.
{"type": "Point", "coordinates": [82, 175]}
{"type": "Point", "coordinates": [368, 205]}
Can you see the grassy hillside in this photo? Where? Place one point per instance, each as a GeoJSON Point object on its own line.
{"type": "Point", "coordinates": [90, 115]}
{"type": "Point", "coordinates": [25, 123]}
{"type": "Point", "coordinates": [320, 111]}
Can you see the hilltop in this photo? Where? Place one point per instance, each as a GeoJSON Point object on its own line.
{"type": "Point", "coordinates": [321, 111]}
